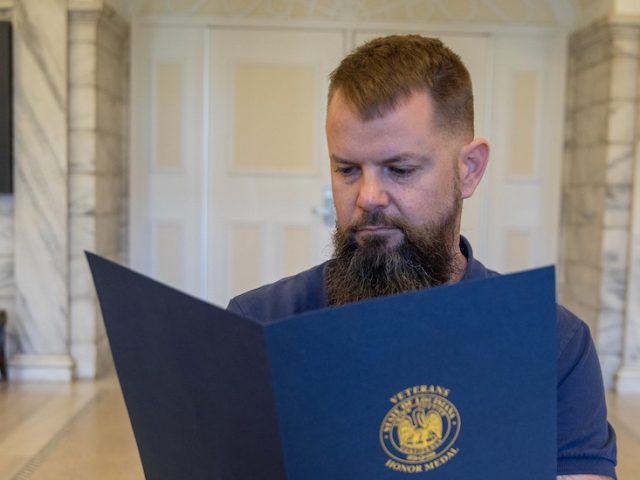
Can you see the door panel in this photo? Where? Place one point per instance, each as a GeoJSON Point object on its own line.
{"type": "Point", "coordinates": [528, 83]}
{"type": "Point", "coordinates": [268, 162]}
{"type": "Point", "coordinates": [166, 228]}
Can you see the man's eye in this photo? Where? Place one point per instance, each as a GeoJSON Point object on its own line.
{"type": "Point", "coordinates": [401, 171]}
{"type": "Point", "coordinates": [346, 171]}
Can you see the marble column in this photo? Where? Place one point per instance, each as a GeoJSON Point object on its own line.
{"type": "Point", "coordinates": [70, 98]}
{"type": "Point", "coordinates": [598, 185]}
{"type": "Point", "coordinates": [98, 73]}
{"type": "Point", "coordinates": [628, 378]}
{"type": "Point", "coordinates": [7, 293]}
{"type": "Point", "coordinates": [41, 242]}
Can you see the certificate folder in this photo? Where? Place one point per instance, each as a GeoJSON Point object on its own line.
{"type": "Point", "coordinates": [455, 382]}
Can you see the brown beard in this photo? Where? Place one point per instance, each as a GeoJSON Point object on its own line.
{"type": "Point", "coordinates": [424, 258]}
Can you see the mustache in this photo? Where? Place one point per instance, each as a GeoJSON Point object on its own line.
{"type": "Point", "coordinates": [377, 218]}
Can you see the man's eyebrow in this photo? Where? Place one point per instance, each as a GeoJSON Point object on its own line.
{"type": "Point", "coordinates": [405, 157]}
{"type": "Point", "coordinates": [336, 159]}
{"type": "Point", "coordinates": [402, 157]}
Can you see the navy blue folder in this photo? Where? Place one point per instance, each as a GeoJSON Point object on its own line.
{"type": "Point", "coordinates": [455, 382]}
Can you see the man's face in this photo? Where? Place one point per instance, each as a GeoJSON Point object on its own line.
{"type": "Point", "coordinates": [399, 166]}
{"type": "Point", "coordinates": [398, 200]}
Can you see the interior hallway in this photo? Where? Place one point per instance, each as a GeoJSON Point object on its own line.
{"type": "Point", "coordinates": [80, 431]}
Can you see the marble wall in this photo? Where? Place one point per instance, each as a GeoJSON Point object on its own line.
{"type": "Point", "coordinates": [598, 181]}
{"type": "Point", "coordinates": [7, 290]}
{"type": "Point", "coordinates": [71, 79]}
{"type": "Point", "coordinates": [41, 230]}
{"type": "Point", "coordinates": [628, 377]}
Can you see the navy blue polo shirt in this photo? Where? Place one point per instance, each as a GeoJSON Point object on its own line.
{"type": "Point", "coordinates": [586, 441]}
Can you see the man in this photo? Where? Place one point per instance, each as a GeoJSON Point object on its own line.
{"type": "Point", "coordinates": [403, 157]}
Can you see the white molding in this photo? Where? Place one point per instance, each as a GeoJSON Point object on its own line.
{"type": "Point", "coordinates": [564, 12]}
{"type": "Point", "coordinates": [125, 8]}
{"type": "Point", "coordinates": [624, 20]}
{"type": "Point", "coordinates": [628, 380]}
{"type": "Point", "coordinates": [93, 10]}
{"type": "Point", "coordinates": [48, 368]}
{"type": "Point", "coordinates": [85, 5]}
{"type": "Point", "coordinates": [626, 7]}
{"type": "Point", "coordinates": [519, 11]}
{"type": "Point", "coordinates": [434, 28]}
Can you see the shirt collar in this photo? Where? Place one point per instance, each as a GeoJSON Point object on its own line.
{"type": "Point", "coordinates": [475, 269]}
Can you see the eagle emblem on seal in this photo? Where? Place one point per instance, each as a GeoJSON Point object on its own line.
{"type": "Point", "coordinates": [420, 430]}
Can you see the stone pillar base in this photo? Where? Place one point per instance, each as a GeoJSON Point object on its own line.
{"type": "Point", "coordinates": [48, 368]}
{"type": "Point", "coordinates": [628, 380]}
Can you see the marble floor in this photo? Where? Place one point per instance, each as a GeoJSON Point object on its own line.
{"type": "Point", "coordinates": [81, 431]}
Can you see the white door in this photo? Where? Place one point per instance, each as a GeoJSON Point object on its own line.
{"type": "Point", "coordinates": [229, 154]}
{"type": "Point", "coordinates": [528, 83]}
{"type": "Point", "coordinates": [268, 163]}
{"type": "Point", "coordinates": [168, 142]}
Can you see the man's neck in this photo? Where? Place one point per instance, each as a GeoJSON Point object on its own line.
{"type": "Point", "coordinates": [459, 265]}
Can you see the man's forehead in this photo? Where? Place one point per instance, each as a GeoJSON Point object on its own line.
{"type": "Point", "coordinates": [381, 108]}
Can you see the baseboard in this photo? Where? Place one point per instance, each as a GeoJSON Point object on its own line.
{"type": "Point", "coordinates": [628, 379]}
{"type": "Point", "coordinates": [47, 368]}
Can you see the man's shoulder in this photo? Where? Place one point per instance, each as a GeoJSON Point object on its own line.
{"type": "Point", "coordinates": [570, 329]}
{"type": "Point", "coordinates": [573, 333]}
{"type": "Point", "coordinates": [289, 296]}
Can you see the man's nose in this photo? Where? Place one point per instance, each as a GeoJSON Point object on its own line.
{"type": "Point", "coordinates": [372, 193]}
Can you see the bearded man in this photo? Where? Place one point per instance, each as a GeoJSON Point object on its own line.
{"type": "Point", "coordinates": [403, 158]}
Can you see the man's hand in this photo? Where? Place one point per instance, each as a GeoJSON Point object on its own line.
{"type": "Point", "coordinates": [582, 477]}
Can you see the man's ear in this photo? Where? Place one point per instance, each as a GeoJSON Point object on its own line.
{"type": "Point", "coordinates": [474, 157]}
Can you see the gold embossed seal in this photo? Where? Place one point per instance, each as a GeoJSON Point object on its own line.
{"type": "Point", "coordinates": [420, 430]}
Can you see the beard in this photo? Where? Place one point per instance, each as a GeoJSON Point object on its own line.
{"type": "Point", "coordinates": [425, 257]}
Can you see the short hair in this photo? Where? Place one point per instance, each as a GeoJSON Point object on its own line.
{"type": "Point", "coordinates": [378, 75]}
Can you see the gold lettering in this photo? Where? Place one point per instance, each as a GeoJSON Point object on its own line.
{"type": "Point", "coordinates": [399, 467]}
{"type": "Point", "coordinates": [397, 397]}
{"type": "Point", "coordinates": [442, 391]}
{"type": "Point", "coordinates": [407, 392]}
{"type": "Point", "coordinates": [438, 462]}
